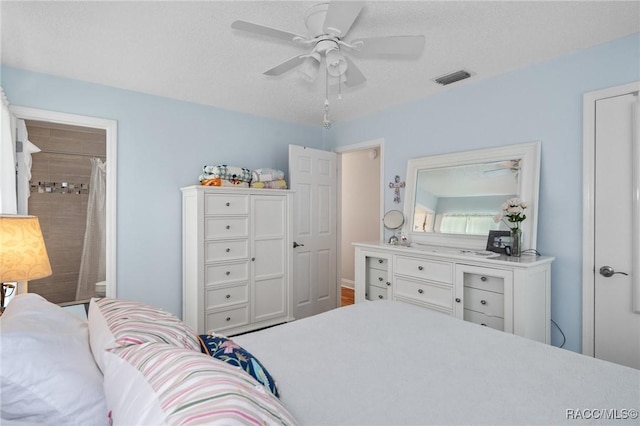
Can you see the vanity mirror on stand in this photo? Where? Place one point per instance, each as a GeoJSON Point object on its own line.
{"type": "Point", "coordinates": [450, 204]}
{"type": "Point", "coordinates": [393, 221]}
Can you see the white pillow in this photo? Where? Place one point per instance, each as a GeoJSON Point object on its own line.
{"type": "Point", "coordinates": [47, 371]}
{"type": "Point", "coordinates": [117, 322]}
{"type": "Point", "coordinates": [159, 384]}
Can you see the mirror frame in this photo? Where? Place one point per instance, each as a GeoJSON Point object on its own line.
{"type": "Point", "coordinates": [527, 191]}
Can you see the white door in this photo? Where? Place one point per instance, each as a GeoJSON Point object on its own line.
{"type": "Point", "coordinates": [616, 325]}
{"type": "Point", "coordinates": [312, 175]}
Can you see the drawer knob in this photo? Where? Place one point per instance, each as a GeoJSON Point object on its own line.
{"type": "Point", "coordinates": [380, 261]}
{"type": "Point", "coordinates": [380, 279]}
{"type": "Point", "coordinates": [228, 273]}
{"type": "Point", "coordinates": [228, 227]}
{"type": "Point", "coordinates": [380, 296]}
{"type": "Point", "coordinates": [483, 302]}
{"type": "Point", "coordinates": [420, 268]}
{"type": "Point", "coordinates": [228, 250]}
{"type": "Point", "coordinates": [227, 204]}
{"type": "Point", "coordinates": [228, 319]}
{"type": "Point", "coordinates": [483, 278]}
{"type": "Point", "coordinates": [457, 300]}
{"type": "Point", "coordinates": [253, 259]}
{"type": "Point", "coordinates": [388, 283]}
{"type": "Point", "coordinates": [228, 296]}
{"type": "Point", "coordinates": [420, 291]}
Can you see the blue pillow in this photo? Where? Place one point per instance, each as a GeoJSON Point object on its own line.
{"type": "Point", "coordinates": [230, 352]}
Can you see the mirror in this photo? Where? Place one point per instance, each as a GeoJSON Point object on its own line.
{"type": "Point", "coordinates": [451, 199]}
{"type": "Point", "coordinates": [393, 219]}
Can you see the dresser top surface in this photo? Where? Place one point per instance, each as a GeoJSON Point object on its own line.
{"type": "Point", "coordinates": [239, 190]}
{"type": "Point", "coordinates": [458, 254]}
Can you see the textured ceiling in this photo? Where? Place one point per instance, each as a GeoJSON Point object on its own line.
{"type": "Point", "coordinates": [188, 51]}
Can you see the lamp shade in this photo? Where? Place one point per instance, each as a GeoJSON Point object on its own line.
{"type": "Point", "coordinates": [23, 255]}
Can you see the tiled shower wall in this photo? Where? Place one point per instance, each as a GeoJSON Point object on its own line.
{"type": "Point", "coordinates": [65, 159]}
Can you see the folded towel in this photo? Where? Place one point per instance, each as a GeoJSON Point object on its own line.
{"type": "Point", "coordinates": [266, 175]}
{"type": "Point", "coordinates": [224, 182]}
{"type": "Point", "coordinates": [274, 184]}
{"type": "Point", "coordinates": [231, 173]}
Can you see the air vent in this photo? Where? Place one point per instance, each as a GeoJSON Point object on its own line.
{"type": "Point", "coordinates": [452, 78]}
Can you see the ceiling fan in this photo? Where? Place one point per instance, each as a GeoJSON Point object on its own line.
{"type": "Point", "coordinates": [327, 25]}
{"type": "Point", "coordinates": [504, 167]}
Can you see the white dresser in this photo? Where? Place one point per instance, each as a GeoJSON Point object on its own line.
{"type": "Point", "coordinates": [236, 258]}
{"type": "Point", "coordinates": [511, 294]}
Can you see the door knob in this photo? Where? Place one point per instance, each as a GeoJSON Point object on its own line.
{"type": "Point", "coordinates": [607, 271]}
{"type": "Point", "coordinates": [295, 244]}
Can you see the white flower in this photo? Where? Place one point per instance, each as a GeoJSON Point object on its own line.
{"type": "Point", "coordinates": [513, 201]}
{"type": "Point", "coordinates": [513, 209]}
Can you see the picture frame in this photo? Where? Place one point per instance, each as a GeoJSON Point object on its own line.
{"type": "Point", "coordinates": [498, 241]}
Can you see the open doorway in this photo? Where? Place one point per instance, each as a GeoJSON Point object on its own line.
{"type": "Point", "coordinates": [60, 195]}
{"type": "Point", "coordinates": [67, 195]}
{"type": "Point", "coordinates": [360, 206]}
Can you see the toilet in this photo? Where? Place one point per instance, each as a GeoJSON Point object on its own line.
{"type": "Point", "coordinates": [101, 288]}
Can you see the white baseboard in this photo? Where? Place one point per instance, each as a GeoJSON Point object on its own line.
{"type": "Point", "coordinates": [347, 283]}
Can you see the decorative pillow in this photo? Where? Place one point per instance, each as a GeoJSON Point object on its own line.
{"type": "Point", "coordinates": [227, 350]}
{"type": "Point", "coordinates": [158, 384]}
{"type": "Point", "coordinates": [48, 374]}
{"type": "Point", "coordinates": [116, 322]}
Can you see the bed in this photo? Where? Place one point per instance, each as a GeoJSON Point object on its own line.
{"type": "Point", "coordinates": [384, 362]}
{"type": "Point", "coordinates": [374, 363]}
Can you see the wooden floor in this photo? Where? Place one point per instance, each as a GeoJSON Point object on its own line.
{"type": "Point", "coordinates": [347, 296]}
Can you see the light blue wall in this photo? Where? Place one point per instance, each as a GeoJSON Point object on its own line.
{"type": "Point", "coordinates": [542, 102]}
{"type": "Point", "coordinates": [162, 146]}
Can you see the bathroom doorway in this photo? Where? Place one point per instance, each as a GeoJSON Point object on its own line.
{"type": "Point", "coordinates": [75, 155]}
{"type": "Point", "coordinates": [61, 187]}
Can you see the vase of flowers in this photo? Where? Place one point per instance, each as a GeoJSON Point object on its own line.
{"type": "Point", "coordinates": [513, 211]}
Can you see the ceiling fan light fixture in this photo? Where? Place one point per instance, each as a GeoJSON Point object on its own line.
{"type": "Point", "coordinates": [336, 64]}
{"type": "Point", "coordinates": [309, 68]}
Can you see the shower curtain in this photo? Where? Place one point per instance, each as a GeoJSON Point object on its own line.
{"type": "Point", "coordinates": [93, 264]}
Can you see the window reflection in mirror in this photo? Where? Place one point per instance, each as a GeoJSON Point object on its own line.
{"type": "Point", "coordinates": [464, 199]}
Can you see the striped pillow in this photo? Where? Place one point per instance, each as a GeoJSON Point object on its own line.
{"type": "Point", "coordinates": [116, 322]}
{"type": "Point", "coordinates": [158, 384]}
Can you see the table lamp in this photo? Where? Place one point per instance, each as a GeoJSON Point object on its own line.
{"type": "Point", "coordinates": [23, 255]}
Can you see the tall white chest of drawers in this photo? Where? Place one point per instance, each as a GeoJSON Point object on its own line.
{"type": "Point", "coordinates": [511, 294]}
{"type": "Point", "coordinates": [236, 257]}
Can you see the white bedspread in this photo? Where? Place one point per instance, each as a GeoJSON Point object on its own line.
{"type": "Point", "coordinates": [390, 363]}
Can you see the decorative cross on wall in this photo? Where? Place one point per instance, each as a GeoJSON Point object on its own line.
{"type": "Point", "coordinates": [396, 189]}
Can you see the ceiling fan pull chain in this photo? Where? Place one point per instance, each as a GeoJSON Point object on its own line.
{"type": "Point", "coordinates": [326, 123]}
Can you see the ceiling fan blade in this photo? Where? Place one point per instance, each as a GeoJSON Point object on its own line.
{"type": "Point", "coordinates": [353, 76]}
{"type": "Point", "coordinates": [265, 31]}
{"type": "Point", "coordinates": [340, 16]}
{"type": "Point", "coordinates": [393, 46]}
{"type": "Point", "coordinates": [286, 65]}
